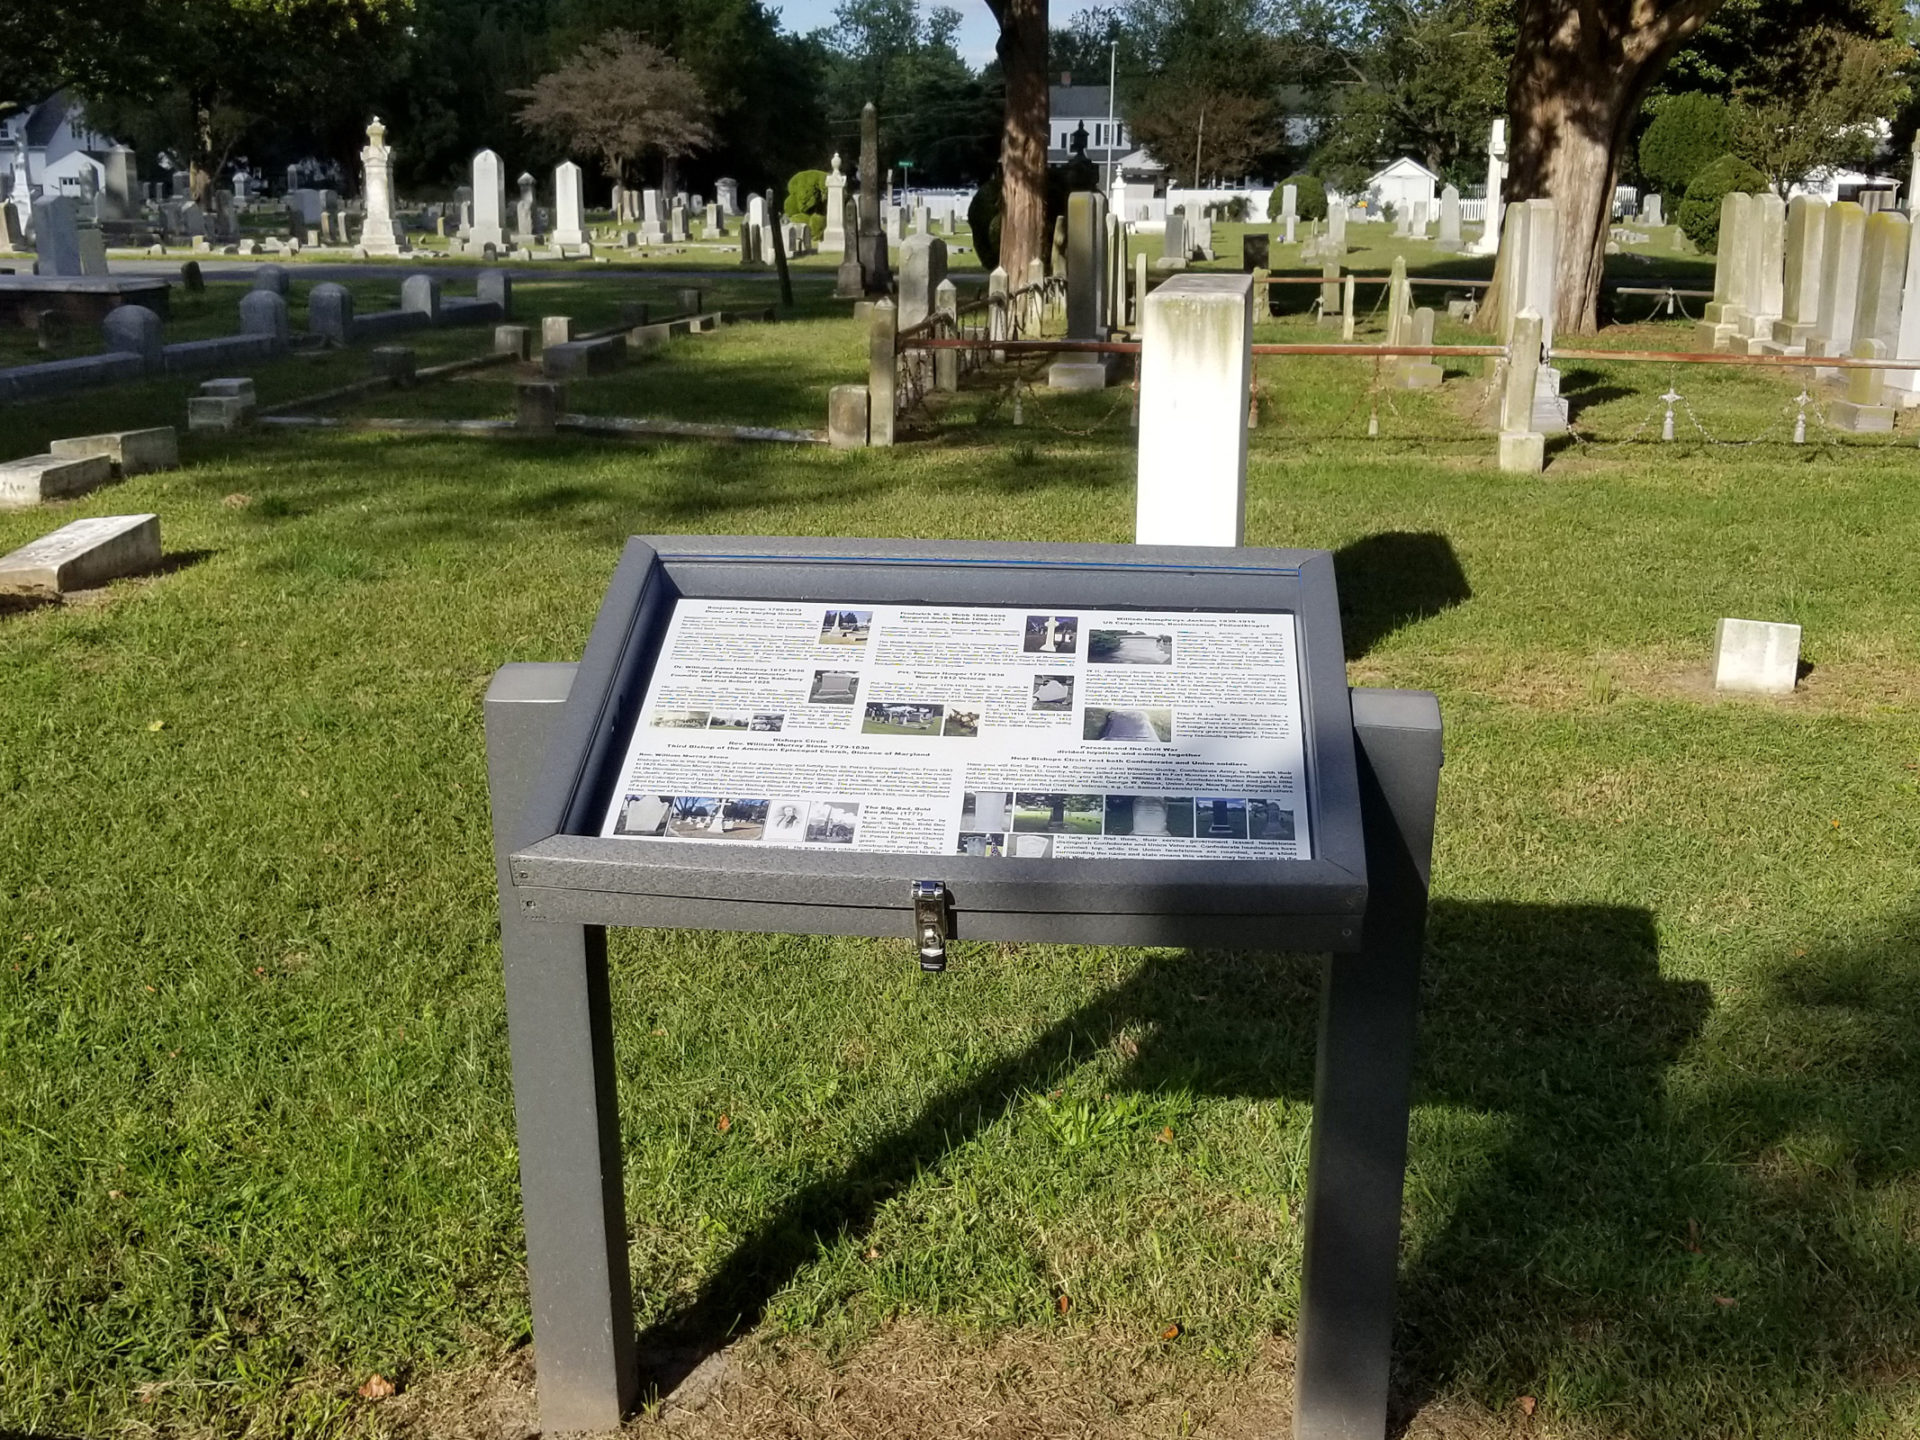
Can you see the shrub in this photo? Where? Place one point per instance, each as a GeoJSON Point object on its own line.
{"type": "Point", "coordinates": [1687, 134]}
{"type": "Point", "coordinates": [983, 218]}
{"type": "Point", "coordinates": [806, 195]}
{"type": "Point", "coordinates": [1309, 201]}
{"type": "Point", "coordinates": [1699, 215]}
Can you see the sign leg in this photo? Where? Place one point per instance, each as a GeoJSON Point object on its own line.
{"type": "Point", "coordinates": [1363, 1082]}
{"type": "Point", "coordinates": [560, 1028]}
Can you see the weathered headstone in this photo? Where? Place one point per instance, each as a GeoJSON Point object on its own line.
{"type": "Point", "coordinates": [128, 452]}
{"type": "Point", "coordinates": [420, 295]}
{"type": "Point", "coordinates": [489, 203]}
{"type": "Point", "coordinates": [93, 251]}
{"type": "Point", "coordinates": [875, 265]}
{"type": "Point", "coordinates": [847, 417]}
{"type": "Point", "coordinates": [1086, 294]}
{"type": "Point", "coordinates": [653, 225]}
{"type": "Point", "coordinates": [378, 233]}
{"type": "Point", "coordinates": [923, 268]}
{"type": "Point", "coordinates": [526, 224]}
{"type": "Point", "coordinates": [56, 237]}
{"type": "Point", "coordinates": [1883, 273]}
{"type": "Point", "coordinates": [36, 479]}
{"type": "Point", "coordinates": [1864, 410]}
{"type": "Point", "coordinates": [271, 277]}
{"type": "Point", "coordinates": [539, 404]}
{"type": "Point", "coordinates": [1840, 256]}
{"type": "Point", "coordinates": [1196, 366]}
{"type": "Point", "coordinates": [1522, 445]}
{"type": "Point", "coordinates": [514, 340]}
{"type": "Point", "coordinates": [1756, 656]}
{"type": "Point", "coordinates": [83, 554]}
{"type": "Point", "coordinates": [726, 194]}
{"type": "Point", "coordinates": [1733, 281]}
{"type": "Point", "coordinates": [1800, 291]}
{"type": "Point", "coordinates": [946, 363]}
{"type": "Point", "coordinates": [1650, 213]}
{"type": "Point", "coordinates": [135, 330]}
{"type": "Point", "coordinates": [118, 199]}
{"type": "Point", "coordinates": [264, 313]}
{"type": "Point", "coordinates": [495, 287]}
{"type": "Point", "coordinates": [1767, 240]}
{"type": "Point", "coordinates": [556, 330]}
{"type": "Point", "coordinates": [1336, 237]}
{"type": "Point", "coordinates": [330, 313]}
{"type": "Point", "coordinates": [835, 237]}
{"type": "Point", "coordinates": [569, 208]}
{"type": "Point", "coordinates": [1491, 217]}
{"type": "Point", "coordinates": [1903, 386]}
{"type": "Point", "coordinates": [1450, 218]}
{"type": "Point", "coordinates": [883, 332]}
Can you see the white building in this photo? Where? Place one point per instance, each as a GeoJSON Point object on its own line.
{"type": "Point", "coordinates": [1073, 108]}
{"type": "Point", "coordinates": [1403, 184]}
{"type": "Point", "coordinates": [56, 146]}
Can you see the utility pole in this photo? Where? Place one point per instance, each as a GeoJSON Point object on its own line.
{"type": "Point", "coordinates": [1112, 66]}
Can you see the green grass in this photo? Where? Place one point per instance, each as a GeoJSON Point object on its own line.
{"type": "Point", "coordinates": [254, 1099]}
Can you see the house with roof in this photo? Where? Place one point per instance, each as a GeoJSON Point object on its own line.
{"type": "Point", "coordinates": [1088, 108]}
{"type": "Point", "coordinates": [48, 148]}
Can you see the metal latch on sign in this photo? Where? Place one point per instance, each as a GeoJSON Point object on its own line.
{"type": "Point", "coordinates": [930, 923]}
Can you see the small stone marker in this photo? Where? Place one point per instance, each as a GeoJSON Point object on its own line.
{"type": "Point", "coordinates": [191, 277]}
{"type": "Point", "coordinates": [556, 330]}
{"type": "Point", "coordinates": [514, 340]}
{"type": "Point", "coordinates": [847, 417]}
{"type": "Point", "coordinates": [135, 330]}
{"type": "Point", "coordinates": [539, 404]}
{"type": "Point", "coordinates": [221, 405]}
{"type": "Point", "coordinates": [1758, 656]}
{"type": "Point", "coordinates": [83, 554]}
{"type": "Point", "coordinates": [272, 277]}
{"type": "Point", "coordinates": [330, 313]}
{"type": "Point", "coordinates": [392, 362]}
{"type": "Point", "coordinates": [39, 478]}
{"type": "Point", "coordinates": [262, 312]}
{"type": "Point", "coordinates": [129, 452]}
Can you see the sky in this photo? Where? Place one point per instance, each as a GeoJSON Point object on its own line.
{"type": "Point", "coordinates": [977, 30]}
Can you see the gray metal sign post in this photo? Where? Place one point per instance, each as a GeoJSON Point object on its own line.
{"type": "Point", "coordinates": [553, 737]}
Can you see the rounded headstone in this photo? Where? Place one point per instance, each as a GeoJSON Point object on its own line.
{"type": "Point", "coordinates": [191, 278]}
{"type": "Point", "coordinates": [272, 277]}
{"type": "Point", "coordinates": [330, 313]}
{"type": "Point", "coordinates": [496, 286]}
{"type": "Point", "coordinates": [421, 293]}
{"type": "Point", "coordinates": [263, 313]}
{"type": "Point", "coordinates": [134, 330]}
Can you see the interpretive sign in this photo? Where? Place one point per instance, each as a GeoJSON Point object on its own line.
{"type": "Point", "coordinates": [941, 740]}
{"type": "Point", "coordinates": [1095, 743]}
{"type": "Point", "coordinates": [960, 730]}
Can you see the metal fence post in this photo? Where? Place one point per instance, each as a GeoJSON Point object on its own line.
{"type": "Point", "coordinates": [560, 1030]}
{"type": "Point", "coordinates": [1363, 1076]}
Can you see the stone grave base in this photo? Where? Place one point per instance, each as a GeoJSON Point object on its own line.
{"type": "Point", "coordinates": [1080, 372]}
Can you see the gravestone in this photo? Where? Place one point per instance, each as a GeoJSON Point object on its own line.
{"type": "Point", "coordinates": [272, 277]}
{"type": "Point", "coordinates": [1650, 210]}
{"type": "Point", "coordinates": [135, 330]}
{"type": "Point", "coordinates": [1196, 365]}
{"type": "Point", "coordinates": [378, 233]}
{"type": "Point", "coordinates": [36, 479]}
{"type": "Point", "coordinates": [1087, 281]}
{"type": "Point", "coordinates": [1800, 291]}
{"type": "Point", "coordinates": [1733, 280]}
{"type": "Point", "coordinates": [847, 417]}
{"type": "Point", "coordinates": [1173, 243]}
{"type": "Point", "coordinates": [1841, 252]}
{"type": "Point", "coordinates": [1766, 262]}
{"type": "Point", "coordinates": [93, 251]}
{"type": "Point", "coordinates": [1450, 218]}
{"type": "Point", "coordinates": [875, 265]}
{"type": "Point", "coordinates": [128, 452]}
{"type": "Point", "coordinates": [726, 194]}
{"type": "Point", "coordinates": [495, 287]}
{"type": "Point", "coordinates": [1335, 242]}
{"type": "Point", "coordinates": [56, 237]}
{"type": "Point", "coordinates": [835, 237]}
{"type": "Point", "coordinates": [1883, 273]}
{"type": "Point", "coordinates": [526, 227]}
{"type": "Point", "coordinates": [264, 313]}
{"type": "Point", "coordinates": [1756, 656]}
{"type": "Point", "coordinates": [1254, 254]}
{"type": "Point", "coordinates": [119, 201]}
{"type": "Point", "coordinates": [330, 313]}
{"type": "Point", "coordinates": [489, 203]}
{"type": "Point", "coordinates": [83, 554]}
{"type": "Point", "coordinates": [1492, 220]}
{"type": "Point", "coordinates": [653, 228]}
{"type": "Point", "coordinates": [569, 210]}
{"type": "Point", "coordinates": [1903, 386]}
{"type": "Point", "coordinates": [420, 295]}
{"type": "Point", "coordinates": [1864, 410]}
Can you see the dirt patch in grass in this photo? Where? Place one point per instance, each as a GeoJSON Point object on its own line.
{"type": "Point", "coordinates": [916, 1379]}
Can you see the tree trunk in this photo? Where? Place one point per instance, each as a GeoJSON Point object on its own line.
{"type": "Point", "coordinates": [1022, 49]}
{"type": "Point", "coordinates": [1580, 70]}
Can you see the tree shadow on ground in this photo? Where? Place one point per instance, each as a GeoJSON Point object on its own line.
{"type": "Point", "coordinates": [1392, 580]}
{"type": "Point", "coordinates": [1524, 1005]}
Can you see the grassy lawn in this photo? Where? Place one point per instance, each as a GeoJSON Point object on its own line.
{"type": "Point", "coordinates": [254, 1098]}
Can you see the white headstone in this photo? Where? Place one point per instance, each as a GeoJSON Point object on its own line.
{"type": "Point", "coordinates": [56, 237]}
{"type": "Point", "coordinates": [378, 234]}
{"type": "Point", "coordinates": [489, 202]}
{"type": "Point", "coordinates": [1758, 656]}
{"type": "Point", "coordinates": [569, 212]}
{"type": "Point", "coordinates": [85, 553]}
{"type": "Point", "coordinates": [1196, 364]}
{"type": "Point", "coordinates": [1840, 255]}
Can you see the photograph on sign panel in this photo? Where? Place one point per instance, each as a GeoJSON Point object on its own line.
{"type": "Point", "coordinates": [701, 817]}
{"type": "Point", "coordinates": [989, 845]}
{"type": "Point", "coordinates": [832, 822]}
{"type": "Point", "coordinates": [846, 627]}
{"type": "Point", "coordinates": [1053, 692]}
{"type": "Point", "coordinates": [766, 724]}
{"type": "Point", "coordinates": [643, 815]}
{"type": "Point", "coordinates": [986, 810]}
{"type": "Point", "coordinates": [1219, 819]}
{"type": "Point", "coordinates": [894, 717]}
{"type": "Point", "coordinates": [834, 687]}
{"type": "Point", "coordinates": [1051, 634]}
{"type": "Point", "coordinates": [1269, 820]}
{"type": "Point", "coordinates": [1150, 816]}
{"type": "Point", "coordinates": [1129, 647]}
{"type": "Point", "coordinates": [1059, 814]}
{"type": "Point", "coordinates": [730, 720]}
{"type": "Point", "coordinates": [1100, 723]}
{"type": "Point", "coordinates": [961, 722]}
{"type": "Point", "coordinates": [787, 821]}
{"type": "Point", "coordinates": [1030, 847]}
{"type": "Point", "coordinates": [680, 719]}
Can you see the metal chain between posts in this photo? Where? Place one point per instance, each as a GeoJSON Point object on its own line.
{"type": "Point", "coordinates": [1792, 418]}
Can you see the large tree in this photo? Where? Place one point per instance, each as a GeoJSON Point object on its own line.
{"type": "Point", "coordinates": [934, 110]}
{"type": "Point", "coordinates": [1581, 69]}
{"type": "Point", "coordinates": [1022, 52]}
{"type": "Point", "coordinates": [624, 101]}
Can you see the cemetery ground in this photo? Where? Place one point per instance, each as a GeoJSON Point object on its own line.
{"type": "Point", "coordinates": [254, 1095]}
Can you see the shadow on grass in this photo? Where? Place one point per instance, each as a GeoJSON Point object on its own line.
{"type": "Point", "coordinates": [1392, 580]}
{"type": "Point", "coordinates": [1537, 1011]}
{"type": "Point", "coordinates": [1689, 1244]}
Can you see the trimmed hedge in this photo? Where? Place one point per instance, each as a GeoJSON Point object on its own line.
{"type": "Point", "coordinates": [1699, 214]}
{"type": "Point", "coordinates": [1309, 201]}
